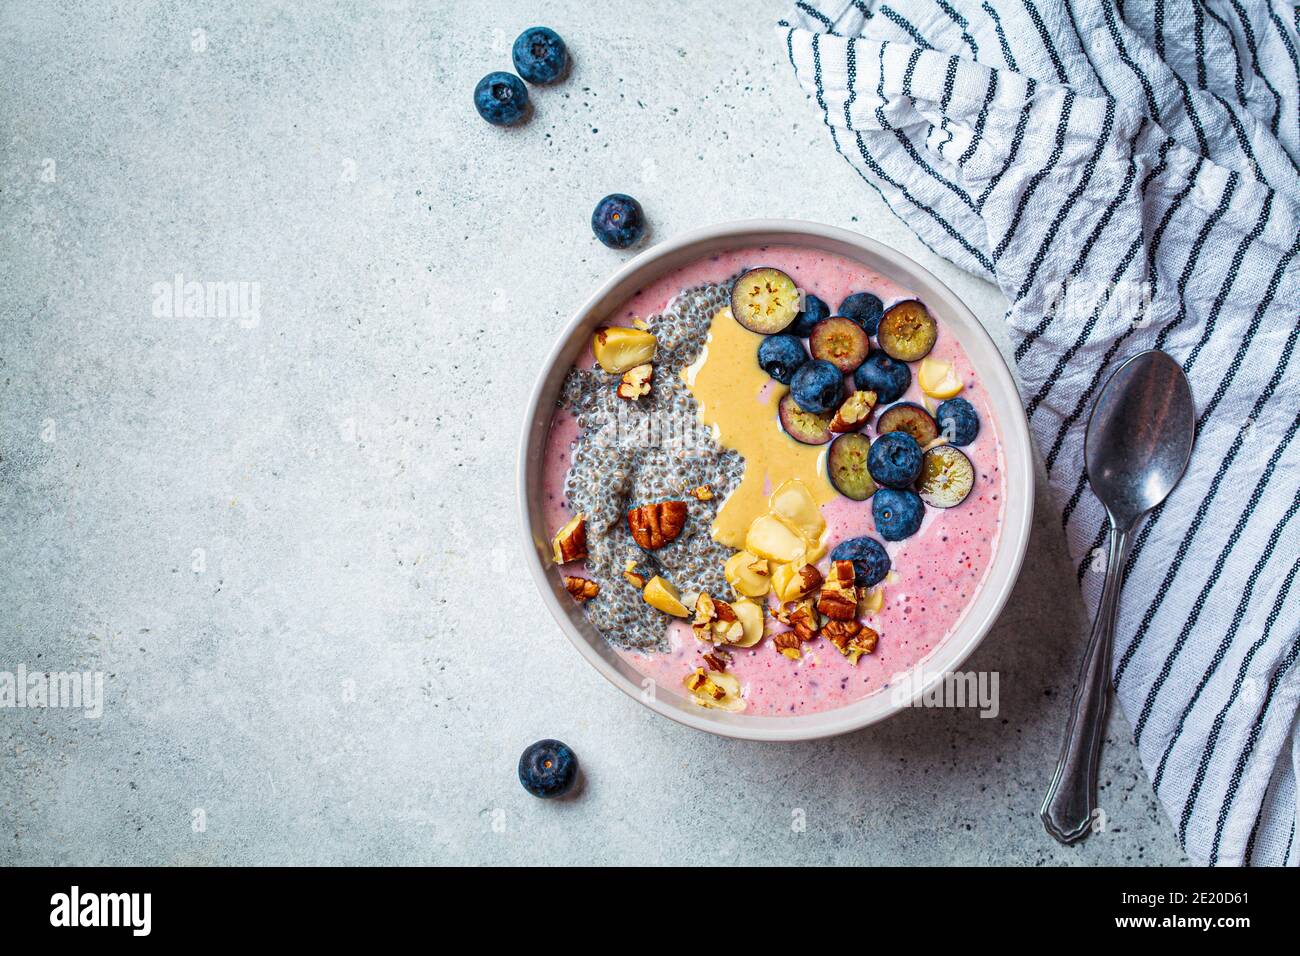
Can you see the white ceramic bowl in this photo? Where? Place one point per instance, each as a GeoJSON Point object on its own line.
{"type": "Point", "coordinates": [956, 319]}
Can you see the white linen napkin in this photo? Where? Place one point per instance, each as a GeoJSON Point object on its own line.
{"type": "Point", "coordinates": [1127, 174]}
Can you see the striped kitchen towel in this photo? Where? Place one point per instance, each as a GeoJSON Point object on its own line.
{"type": "Point", "coordinates": [1127, 174]}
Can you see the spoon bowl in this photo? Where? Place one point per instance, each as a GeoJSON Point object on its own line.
{"type": "Point", "coordinates": [1139, 435]}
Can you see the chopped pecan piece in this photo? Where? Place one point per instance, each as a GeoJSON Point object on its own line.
{"type": "Point", "coordinates": [636, 382]}
{"type": "Point", "coordinates": [717, 660]}
{"type": "Point", "coordinates": [802, 619]}
{"type": "Point", "coordinates": [633, 576]}
{"type": "Point", "coordinates": [581, 589]}
{"type": "Point", "coordinates": [840, 633]}
{"type": "Point", "coordinates": [698, 682]}
{"type": "Point", "coordinates": [570, 542]}
{"type": "Point", "coordinates": [653, 526]}
{"type": "Point", "coordinates": [837, 605]}
{"type": "Point", "coordinates": [842, 574]}
{"type": "Point", "coordinates": [787, 642]}
{"type": "Point", "coordinates": [851, 638]}
{"type": "Point", "coordinates": [839, 598]}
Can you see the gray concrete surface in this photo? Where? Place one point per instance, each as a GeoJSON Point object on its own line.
{"type": "Point", "coordinates": [290, 543]}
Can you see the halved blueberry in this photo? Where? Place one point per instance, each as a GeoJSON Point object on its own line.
{"type": "Point", "coordinates": [895, 460]}
{"type": "Point", "coordinates": [840, 342]}
{"type": "Point", "coordinates": [548, 769]}
{"type": "Point", "coordinates": [911, 418]}
{"type": "Point", "coordinates": [618, 221]}
{"type": "Point", "coordinates": [540, 55]}
{"type": "Point", "coordinates": [846, 463]}
{"type": "Point", "coordinates": [946, 478]}
{"type": "Point", "coordinates": [898, 513]}
{"type": "Point", "coordinates": [870, 560]}
{"type": "Point", "coordinates": [501, 99]}
{"type": "Point", "coordinates": [863, 308]}
{"type": "Point", "coordinates": [907, 331]}
{"type": "Point", "coordinates": [807, 427]}
{"type": "Point", "coordinates": [882, 375]}
{"type": "Point", "coordinates": [958, 421]}
{"type": "Point", "coordinates": [764, 300]}
{"type": "Point", "coordinates": [780, 356]}
{"type": "Point", "coordinates": [814, 310]}
{"type": "Point", "coordinates": [818, 387]}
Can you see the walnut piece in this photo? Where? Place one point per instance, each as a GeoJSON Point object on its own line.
{"type": "Point", "coordinates": [653, 526]}
{"type": "Point", "coordinates": [570, 542]}
{"type": "Point", "coordinates": [581, 589]}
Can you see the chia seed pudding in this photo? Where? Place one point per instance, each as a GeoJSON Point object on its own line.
{"type": "Point", "coordinates": [643, 452]}
{"type": "Point", "coordinates": [700, 425]}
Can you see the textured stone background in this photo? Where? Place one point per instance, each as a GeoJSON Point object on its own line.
{"type": "Point", "coordinates": [353, 672]}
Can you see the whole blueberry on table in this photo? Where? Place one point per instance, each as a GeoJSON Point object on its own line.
{"type": "Point", "coordinates": [884, 376]}
{"type": "Point", "coordinates": [958, 421]}
{"type": "Point", "coordinates": [540, 55]}
{"type": "Point", "coordinates": [780, 356]}
{"type": "Point", "coordinates": [894, 460]}
{"type": "Point", "coordinates": [870, 561]}
{"type": "Point", "coordinates": [898, 514]}
{"type": "Point", "coordinates": [618, 221]}
{"type": "Point", "coordinates": [548, 769]}
{"type": "Point", "coordinates": [865, 309]}
{"type": "Point", "coordinates": [817, 387]}
{"type": "Point", "coordinates": [814, 310]}
{"type": "Point", "coordinates": [501, 99]}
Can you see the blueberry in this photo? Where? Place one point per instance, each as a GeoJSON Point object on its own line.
{"type": "Point", "coordinates": [780, 356]}
{"type": "Point", "coordinates": [895, 460]}
{"type": "Point", "coordinates": [817, 387]}
{"type": "Point", "coordinates": [548, 768]}
{"type": "Point", "coordinates": [814, 310]}
{"type": "Point", "coordinates": [884, 376]}
{"type": "Point", "coordinates": [898, 513]}
{"type": "Point", "coordinates": [870, 562]}
{"type": "Point", "coordinates": [958, 421]}
{"type": "Point", "coordinates": [864, 309]}
{"type": "Point", "coordinates": [540, 55]}
{"type": "Point", "coordinates": [501, 99]}
{"type": "Point", "coordinates": [618, 221]}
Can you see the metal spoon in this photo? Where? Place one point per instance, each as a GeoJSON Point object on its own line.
{"type": "Point", "coordinates": [1138, 441]}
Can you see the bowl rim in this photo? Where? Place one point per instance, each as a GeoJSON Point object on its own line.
{"type": "Point", "coordinates": [1018, 470]}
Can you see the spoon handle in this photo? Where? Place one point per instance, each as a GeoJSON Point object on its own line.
{"type": "Point", "coordinates": [1072, 797]}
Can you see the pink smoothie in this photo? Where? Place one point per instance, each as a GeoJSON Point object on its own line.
{"type": "Point", "coordinates": [936, 572]}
